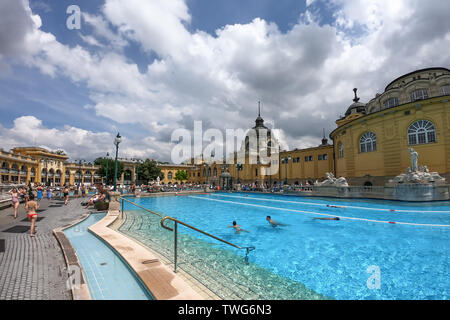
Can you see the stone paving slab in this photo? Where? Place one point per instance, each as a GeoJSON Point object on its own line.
{"type": "Point", "coordinates": [34, 268]}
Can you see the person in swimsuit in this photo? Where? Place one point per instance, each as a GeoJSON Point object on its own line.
{"type": "Point", "coordinates": [334, 218]}
{"type": "Point", "coordinates": [15, 200]}
{"type": "Point", "coordinates": [32, 206]}
{"type": "Point", "coordinates": [66, 195]}
{"type": "Point", "coordinates": [83, 191]}
{"type": "Point", "coordinates": [39, 190]}
{"type": "Point", "coordinates": [237, 227]}
{"type": "Point", "coordinates": [49, 194]}
{"type": "Point", "coordinates": [334, 206]}
{"type": "Point", "coordinates": [273, 223]}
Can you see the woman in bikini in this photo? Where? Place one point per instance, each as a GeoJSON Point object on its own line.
{"type": "Point", "coordinates": [15, 200]}
{"type": "Point", "coordinates": [32, 206]}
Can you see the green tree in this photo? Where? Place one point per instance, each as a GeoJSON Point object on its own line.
{"type": "Point", "coordinates": [111, 163]}
{"type": "Point", "coordinates": [181, 175]}
{"type": "Point", "coordinates": [148, 170]}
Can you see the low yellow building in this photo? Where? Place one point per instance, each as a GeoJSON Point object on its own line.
{"type": "Point", "coordinates": [372, 140]}
{"type": "Point", "coordinates": [41, 166]}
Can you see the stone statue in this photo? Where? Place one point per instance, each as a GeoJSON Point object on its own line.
{"type": "Point", "coordinates": [414, 159]}
{"type": "Point", "coordinates": [417, 174]}
{"type": "Point", "coordinates": [157, 181]}
{"type": "Point", "coordinates": [332, 181]}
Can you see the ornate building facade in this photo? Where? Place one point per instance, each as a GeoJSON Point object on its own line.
{"type": "Point", "coordinates": [370, 145]}
{"type": "Point", "coordinates": [371, 141]}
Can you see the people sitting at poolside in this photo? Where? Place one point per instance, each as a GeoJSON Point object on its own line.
{"type": "Point", "coordinates": [334, 218]}
{"type": "Point", "coordinates": [93, 200]}
{"type": "Point", "coordinates": [273, 223]}
{"type": "Point", "coordinates": [237, 227]}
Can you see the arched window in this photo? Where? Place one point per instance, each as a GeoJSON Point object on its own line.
{"type": "Point", "coordinates": [169, 175]}
{"type": "Point", "coordinates": [368, 142]}
{"type": "Point", "coordinates": [445, 90]}
{"type": "Point", "coordinates": [341, 150]}
{"type": "Point", "coordinates": [421, 132]}
{"type": "Point", "coordinates": [391, 102]}
{"type": "Point", "coordinates": [215, 172]}
{"type": "Point", "coordinates": [419, 94]}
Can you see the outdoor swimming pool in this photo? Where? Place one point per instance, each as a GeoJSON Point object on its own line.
{"type": "Point", "coordinates": [107, 276]}
{"type": "Point", "coordinates": [343, 259]}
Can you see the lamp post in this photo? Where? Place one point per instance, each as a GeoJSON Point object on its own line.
{"type": "Point", "coordinates": [80, 163]}
{"type": "Point", "coordinates": [107, 161]}
{"type": "Point", "coordinates": [117, 140]}
{"type": "Point", "coordinates": [238, 168]}
{"type": "Point", "coordinates": [285, 161]}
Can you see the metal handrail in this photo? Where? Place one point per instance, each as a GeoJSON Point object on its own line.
{"type": "Point", "coordinates": [148, 210]}
{"type": "Point", "coordinates": [248, 249]}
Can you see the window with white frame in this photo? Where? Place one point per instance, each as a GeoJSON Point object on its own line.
{"type": "Point", "coordinates": [421, 132]}
{"type": "Point", "coordinates": [445, 90]}
{"type": "Point", "coordinates": [368, 142]}
{"type": "Point", "coordinates": [391, 102]}
{"type": "Point", "coordinates": [419, 94]}
{"type": "Point", "coordinates": [341, 150]}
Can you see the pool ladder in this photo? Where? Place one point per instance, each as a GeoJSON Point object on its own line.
{"type": "Point", "coordinates": [175, 230]}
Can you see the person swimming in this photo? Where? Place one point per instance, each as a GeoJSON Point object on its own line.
{"type": "Point", "coordinates": [237, 227]}
{"type": "Point", "coordinates": [273, 223]}
{"type": "Point", "coordinates": [333, 206]}
{"type": "Point", "coordinates": [334, 218]}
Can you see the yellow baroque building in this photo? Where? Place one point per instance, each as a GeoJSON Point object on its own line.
{"type": "Point", "coordinates": [41, 166]}
{"type": "Point", "coordinates": [371, 141]}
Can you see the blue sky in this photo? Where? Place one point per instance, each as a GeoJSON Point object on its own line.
{"type": "Point", "coordinates": [146, 68]}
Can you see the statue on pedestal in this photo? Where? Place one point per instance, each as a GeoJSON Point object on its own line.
{"type": "Point", "coordinates": [414, 159]}
{"type": "Point", "coordinates": [417, 174]}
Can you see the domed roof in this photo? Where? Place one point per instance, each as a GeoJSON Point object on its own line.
{"type": "Point", "coordinates": [225, 175]}
{"type": "Point", "coordinates": [356, 106]}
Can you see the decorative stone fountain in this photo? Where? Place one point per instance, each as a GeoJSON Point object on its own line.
{"type": "Point", "coordinates": [331, 181]}
{"type": "Point", "coordinates": [417, 183]}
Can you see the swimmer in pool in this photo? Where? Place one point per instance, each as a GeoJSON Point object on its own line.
{"type": "Point", "coordinates": [335, 218]}
{"type": "Point", "coordinates": [273, 223]}
{"type": "Point", "coordinates": [237, 227]}
{"type": "Point", "coordinates": [333, 206]}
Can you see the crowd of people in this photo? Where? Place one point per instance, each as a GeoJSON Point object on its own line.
{"type": "Point", "coordinates": [31, 196]}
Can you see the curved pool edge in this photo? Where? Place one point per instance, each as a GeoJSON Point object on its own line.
{"type": "Point", "coordinates": [158, 278]}
{"type": "Point", "coordinates": [70, 257]}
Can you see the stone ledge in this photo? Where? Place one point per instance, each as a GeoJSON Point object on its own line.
{"type": "Point", "coordinates": [160, 280]}
{"type": "Point", "coordinates": [71, 259]}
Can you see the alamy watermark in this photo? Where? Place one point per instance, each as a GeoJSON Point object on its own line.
{"type": "Point", "coordinates": [74, 19]}
{"type": "Point", "coordinates": [239, 146]}
{"type": "Point", "coordinates": [374, 280]}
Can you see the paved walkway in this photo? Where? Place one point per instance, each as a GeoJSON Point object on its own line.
{"type": "Point", "coordinates": [34, 268]}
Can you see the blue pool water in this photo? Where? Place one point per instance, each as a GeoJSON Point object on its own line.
{"type": "Point", "coordinates": [107, 276]}
{"type": "Point", "coordinates": [338, 259]}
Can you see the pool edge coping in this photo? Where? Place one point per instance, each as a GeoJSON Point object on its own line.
{"type": "Point", "coordinates": [174, 288]}
{"type": "Point", "coordinates": [82, 292]}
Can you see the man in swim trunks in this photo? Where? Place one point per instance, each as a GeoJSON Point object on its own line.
{"type": "Point", "coordinates": [335, 218]}
{"type": "Point", "coordinates": [66, 195]}
{"type": "Point", "coordinates": [237, 227]}
{"type": "Point", "coordinates": [273, 223]}
{"type": "Point", "coordinates": [32, 206]}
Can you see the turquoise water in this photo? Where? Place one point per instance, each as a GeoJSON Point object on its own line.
{"type": "Point", "coordinates": [333, 258]}
{"type": "Point", "coordinates": [107, 276]}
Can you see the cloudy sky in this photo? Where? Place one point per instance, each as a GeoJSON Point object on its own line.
{"type": "Point", "coordinates": [147, 67]}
